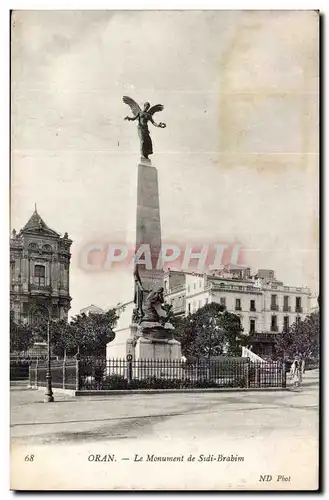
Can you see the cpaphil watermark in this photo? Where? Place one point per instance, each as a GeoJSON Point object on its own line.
{"type": "Point", "coordinates": [100, 256]}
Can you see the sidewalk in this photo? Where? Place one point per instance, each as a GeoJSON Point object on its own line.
{"type": "Point", "coordinates": [35, 420]}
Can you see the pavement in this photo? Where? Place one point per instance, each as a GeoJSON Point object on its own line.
{"type": "Point", "coordinates": [277, 431]}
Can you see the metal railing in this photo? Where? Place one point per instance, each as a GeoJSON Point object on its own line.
{"type": "Point", "coordinates": [120, 374]}
{"type": "Point", "coordinates": [233, 288]}
{"type": "Point", "coordinates": [63, 374]}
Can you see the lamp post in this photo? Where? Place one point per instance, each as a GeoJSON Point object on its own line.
{"type": "Point", "coordinates": [49, 397]}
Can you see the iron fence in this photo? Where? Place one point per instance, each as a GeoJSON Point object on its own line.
{"type": "Point", "coordinates": [102, 374]}
{"type": "Point", "coordinates": [63, 374]}
{"type": "Point", "coordinates": [118, 374]}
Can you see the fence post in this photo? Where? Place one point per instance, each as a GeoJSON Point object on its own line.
{"type": "Point", "coordinates": [77, 373]}
{"type": "Point", "coordinates": [257, 375]}
{"type": "Point", "coordinates": [248, 374]}
{"type": "Point", "coordinates": [129, 371]}
{"type": "Point", "coordinates": [284, 375]}
{"type": "Point", "coordinates": [64, 372]}
{"type": "Point", "coordinates": [30, 376]}
{"type": "Point", "coordinates": [36, 373]}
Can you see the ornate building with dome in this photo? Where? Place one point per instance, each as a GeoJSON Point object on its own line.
{"type": "Point", "coordinates": [39, 272]}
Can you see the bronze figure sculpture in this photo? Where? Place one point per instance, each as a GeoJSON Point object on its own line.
{"type": "Point", "coordinates": [144, 116]}
{"type": "Point", "coordinates": [153, 305]}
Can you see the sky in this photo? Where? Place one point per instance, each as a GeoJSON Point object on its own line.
{"type": "Point", "coordinates": [237, 162]}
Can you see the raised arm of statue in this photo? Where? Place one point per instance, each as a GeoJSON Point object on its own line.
{"type": "Point", "coordinates": [160, 125]}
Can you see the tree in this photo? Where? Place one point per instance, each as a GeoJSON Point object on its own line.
{"type": "Point", "coordinates": [211, 331]}
{"type": "Point", "coordinates": [86, 334]}
{"type": "Point", "coordinates": [302, 338]}
{"type": "Point", "coordinates": [91, 333]}
{"type": "Point", "coordinates": [21, 338]}
{"type": "Point", "coordinates": [62, 338]}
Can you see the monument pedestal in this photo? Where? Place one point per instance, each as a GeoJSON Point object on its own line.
{"type": "Point", "coordinates": [157, 349]}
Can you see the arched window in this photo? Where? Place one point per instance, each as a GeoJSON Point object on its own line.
{"type": "Point", "coordinates": [47, 248]}
{"type": "Point", "coordinates": [33, 246]}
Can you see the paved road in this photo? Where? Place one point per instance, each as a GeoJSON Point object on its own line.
{"type": "Point", "coordinates": [266, 425]}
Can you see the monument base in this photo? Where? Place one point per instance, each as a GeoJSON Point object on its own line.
{"type": "Point", "coordinates": [157, 349]}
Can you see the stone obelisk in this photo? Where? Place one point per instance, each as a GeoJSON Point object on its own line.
{"type": "Point", "coordinates": [154, 342]}
{"type": "Point", "coordinates": [148, 225]}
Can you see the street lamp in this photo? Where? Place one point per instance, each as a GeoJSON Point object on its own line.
{"type": "Point", "coordinates": [49, 397]}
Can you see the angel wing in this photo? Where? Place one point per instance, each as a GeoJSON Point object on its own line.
{"type": "Point", "coordinates": [133, 105]}
{"type": "Point", "coordinates": [155, 109]}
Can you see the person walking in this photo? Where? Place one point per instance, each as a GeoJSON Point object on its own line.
{"type": "Point", "coordinates": [295, 373]}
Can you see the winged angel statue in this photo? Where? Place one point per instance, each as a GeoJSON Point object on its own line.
{"type": "Point", "coordinates": [144, 116]}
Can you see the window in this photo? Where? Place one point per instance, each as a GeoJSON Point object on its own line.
{"type": "Point", "coordinates": [55, 312]}
{"type": "Point", "coordinates": [274, 306]}
{"type": "Point", "coordinates": [12, 270]}
{"type": "Point", "coordinates": [194, 286]}
{"type": "Point", "coordinates": [286, 303]}
{"type": "Point", "coordinates": [238, 304]}
{"type": "Point", "coordinates": [297, 320]}
{"type": "Point", "coordinates": [189, 307]}
{"type": "Point", "coordinates": [206, 301]}
{"type": "Point", "coordinates": [274, 323]}
{"type": "Point", "coordinates": [298, 304]}
{"type": "Point", "coordinates": [252, 305]}
{"type": "Point", "coordinates": [223, 301]}
{"type": "Point", "coordinates": [252, 328]}
{"type": "Point", "coordinates": [285, 323]}
{"type": "Point", "coordinates": [39, 274]}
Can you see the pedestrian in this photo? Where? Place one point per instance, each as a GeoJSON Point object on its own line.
{"type": "Point", "coordinates": [295, 373]}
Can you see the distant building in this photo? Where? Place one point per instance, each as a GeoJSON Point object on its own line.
{"type": "Point", "coordinates": [264, 305]}
{"type": "Point", "coordinates": [92, 309]}
{"type": "Point", "coordinates": [39, 272]}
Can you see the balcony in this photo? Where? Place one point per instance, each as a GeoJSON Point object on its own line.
{"type": "Point", "coordinates": [233, 288]}
{"type": "Point", "coordinates": [274, 329]}
{"type": "Point", "coordinates": [40, 288]}
{"type": "Point", "coordinates": [274, 307]}
{"type": "Point", "coordinates": [298, 309]}
{"type": "Point", "coordinates": [238, 308]}
{"type": "Point", "coordinates": [252, 309]}
{"type": "Point", "coordinates": [287, 309]}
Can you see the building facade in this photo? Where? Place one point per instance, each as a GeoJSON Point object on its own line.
{"type": "Point", "coordinates": [265, 305]}
{"type": "Point", "coordinates": [39, 272]}
{"type": "Point", "coordinates": [92, 309]}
